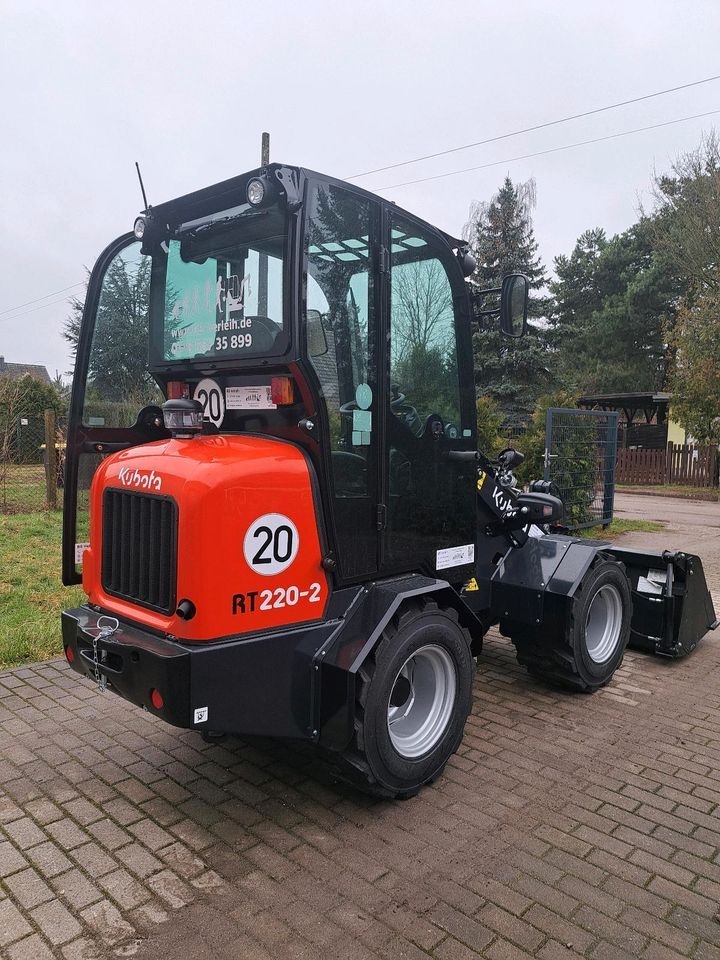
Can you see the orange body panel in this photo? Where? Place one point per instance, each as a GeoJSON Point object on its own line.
{"type": "Point", "coordinates": [223, 485]}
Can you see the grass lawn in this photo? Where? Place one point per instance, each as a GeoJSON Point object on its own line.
{"type": "Point", "coordinates": [618, 527]}
{"type": "Point", "coordinates": [22, 488]}
{"type": "Point", "coordinates": [31, 593]}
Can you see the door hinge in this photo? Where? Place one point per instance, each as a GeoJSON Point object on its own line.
{"type": "Point", "coordinates": [384, 260]}
{"type": "Point", "coordinates": [381, 516]}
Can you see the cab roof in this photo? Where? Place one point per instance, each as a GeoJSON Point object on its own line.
{"type": "Point", "coordinates": [231, 192]}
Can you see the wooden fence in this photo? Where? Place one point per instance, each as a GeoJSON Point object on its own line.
{"type": "Point", "coordinates": [677, 463]}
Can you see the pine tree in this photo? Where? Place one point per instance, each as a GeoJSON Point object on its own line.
{"type": "Point", "coordinates": [613, 301]}
{"type": "Point", "coordinates": [501, 237]}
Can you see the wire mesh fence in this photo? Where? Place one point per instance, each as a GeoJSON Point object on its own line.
{"type": "Point", "coordinates": [32, 459]}
{"type": "Point", "coordinates": [580, 454]}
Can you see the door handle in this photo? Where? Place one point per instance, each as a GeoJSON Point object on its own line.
{"type": "Point", "coordinates": [105, 446]}
{"type": "Point", "coordinates": [463, 456]}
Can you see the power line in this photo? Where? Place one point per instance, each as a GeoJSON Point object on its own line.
{"type": "Point", "coordinates": [542, 153]}
{"type": "Point", "coordinates": [467, 146]}
{"type": "Point", "coordinates": [38, 299]}
{"type": "Point", "coordinates": [539, 126]}
{"type": "Point", "coordinates": [50, 303]}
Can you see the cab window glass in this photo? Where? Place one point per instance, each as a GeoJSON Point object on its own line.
{"type": "Point", "coordinates": [118, 383]}
{"type": "Point", "coordinates": [229, 304]}
{"type": "Point", "coordinates": [340, 329]}
{"type": "Point", "coordinates": [423, 346]}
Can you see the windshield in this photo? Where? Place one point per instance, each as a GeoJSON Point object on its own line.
{"type": "Point", "coordinates": [218, 289]}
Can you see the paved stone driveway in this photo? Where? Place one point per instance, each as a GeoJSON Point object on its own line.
{"type": "Point", "coordinates": [566, 825]}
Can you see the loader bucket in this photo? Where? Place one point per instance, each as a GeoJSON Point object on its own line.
{"type": "Point", "coordinates": [672, 606]}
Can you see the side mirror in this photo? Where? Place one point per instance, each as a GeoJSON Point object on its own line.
{"type": "Point", "coordinates": [514, 304]}
{"type": "Point", "coordinates": [467, 262]}
{"type": "Point", "coordinates": [316, 338]}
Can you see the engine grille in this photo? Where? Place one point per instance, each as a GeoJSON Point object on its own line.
{"type": "Point", "coordinates": [139, 548]}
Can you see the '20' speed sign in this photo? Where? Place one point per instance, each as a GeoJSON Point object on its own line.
{"type": "Point", "coordinates": [210, 395]}
{"type": "Point", "coordinates": [271, 544]}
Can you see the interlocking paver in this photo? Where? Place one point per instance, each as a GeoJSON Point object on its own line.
{"type": "Point", "coordinates": [76, 889]}
{"type": "Point", "coordinates": [124, 889]}
{"type": "Point", "coordinates": [170, 888]}
{"type": "Point", "coordinates": [28, 888]}
{"type": "Point", "coordinates": [56, 922]}
{"type": "Point", "coordinates": [11, 860]}
{"type": "Point", "coordinates": [30, 948]}
{"type": "Point", "coordinates": [48, 859]}
{"type": "Point", "coordinates": [24, 833]}
{"type": "Point", "coordinates": [13, 925]}
{"type": "Point", "coordinates": [106, 923]}
{"type": "Point", "coordinates": [564, 827]}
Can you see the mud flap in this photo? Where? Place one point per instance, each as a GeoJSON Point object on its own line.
{"type": "Point", "coordinates": [672, 606]}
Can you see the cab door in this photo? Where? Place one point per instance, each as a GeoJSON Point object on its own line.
{"type": "Point", "coordinates": [429, 400]}
{"type": "Point", "coordinates": [115, 402]}
{"type": "Point", "coordinates": [341, 323]}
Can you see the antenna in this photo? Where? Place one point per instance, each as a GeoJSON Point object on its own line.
{"type": "Point", "coordinates": [142, 186]}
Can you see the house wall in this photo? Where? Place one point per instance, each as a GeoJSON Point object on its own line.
{"type": "Point", "coordinates": [676, 433]}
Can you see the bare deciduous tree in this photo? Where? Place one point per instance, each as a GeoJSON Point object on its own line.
{"type": "Point", "coordinates": [422, 307]}
{"type": "Point", "coordinates": [686, 221]}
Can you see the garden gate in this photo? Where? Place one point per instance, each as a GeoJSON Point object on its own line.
{"type": "Point", "coordinates": [580, 453]}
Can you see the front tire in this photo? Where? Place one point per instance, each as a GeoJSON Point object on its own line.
{"type": "Point", "coordinates": [591, 647]}
{"type": "Point", "coordinates": [415, 694]}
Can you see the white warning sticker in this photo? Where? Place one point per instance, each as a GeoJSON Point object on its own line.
{"type": "Point", "coordinates": [249, 398]}
{"type": "Point", "coordinates": [455, 556]}
{"type": "Point", "coordinates": [80, 548]}
{"type": "Point", "coordinates": [200, 715]}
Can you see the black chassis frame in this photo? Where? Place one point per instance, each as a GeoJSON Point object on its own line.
{"type": "Point", "coordinates": [294, 683]}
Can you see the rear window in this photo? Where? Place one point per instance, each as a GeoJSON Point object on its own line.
{"type": "Point", "coordinates": [219, 293]}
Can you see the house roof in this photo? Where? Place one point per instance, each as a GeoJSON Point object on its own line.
{"type": "Point", "coordinates": [621, 399]}
{"type": "Point", "coordinates": [17, 370]}
{"type": "Point", "coordinates": [652, 403]}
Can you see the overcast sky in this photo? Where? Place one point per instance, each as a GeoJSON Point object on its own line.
{"type": "Point", "coordinates": [90, 86]}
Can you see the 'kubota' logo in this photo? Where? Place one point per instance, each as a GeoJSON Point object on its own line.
{"type": "Point", "coordinates": [137, 478]}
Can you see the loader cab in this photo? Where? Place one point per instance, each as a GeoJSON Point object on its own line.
{"type": "Point", "coordinates": [297, 306]}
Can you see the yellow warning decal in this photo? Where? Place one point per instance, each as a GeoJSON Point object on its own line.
{"type": "Point", "coordinates": [481, 480]}
{"type": "Point", "coordinates": [470, 586]}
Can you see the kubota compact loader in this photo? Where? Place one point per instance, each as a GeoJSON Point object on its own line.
{"type": "Point", "coordinates": [274, 497]}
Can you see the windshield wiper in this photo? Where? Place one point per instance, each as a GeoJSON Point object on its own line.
{"type": "Point", "coordinates": [199, 228]}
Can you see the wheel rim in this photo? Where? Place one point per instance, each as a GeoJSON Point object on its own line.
{"type": "Point", "coordinates": [604, 623]}
{"type": "Point", "coordinates": [422, 700]}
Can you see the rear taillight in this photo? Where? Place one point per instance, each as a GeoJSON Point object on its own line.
{"type": "Point", "coordinates": [156, 699]}
{"type": "Point", "coordinates": [177, 390]}
{"type": "Point", "coordinates": [281, 391]}
{"type": "Point", "coordinates": [69, 655]}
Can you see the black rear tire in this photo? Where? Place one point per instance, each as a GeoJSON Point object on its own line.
{"type": "Point", "coordinates": [373, 761]}
{"type": "Point", "coordinates": [568, 659]}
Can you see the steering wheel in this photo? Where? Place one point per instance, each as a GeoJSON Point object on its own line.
{"type": "Point", "coordinates": [268, 328]}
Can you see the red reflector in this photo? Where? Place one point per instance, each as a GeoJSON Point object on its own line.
{"type": "Point", "coordinates": [281, 391]}
{"type": "Point", "coordinates": [70, 655]}
{"type": "Point", "coordinates": [177, 390]}
{"type": "Point", "coordinates": [156, 699]}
